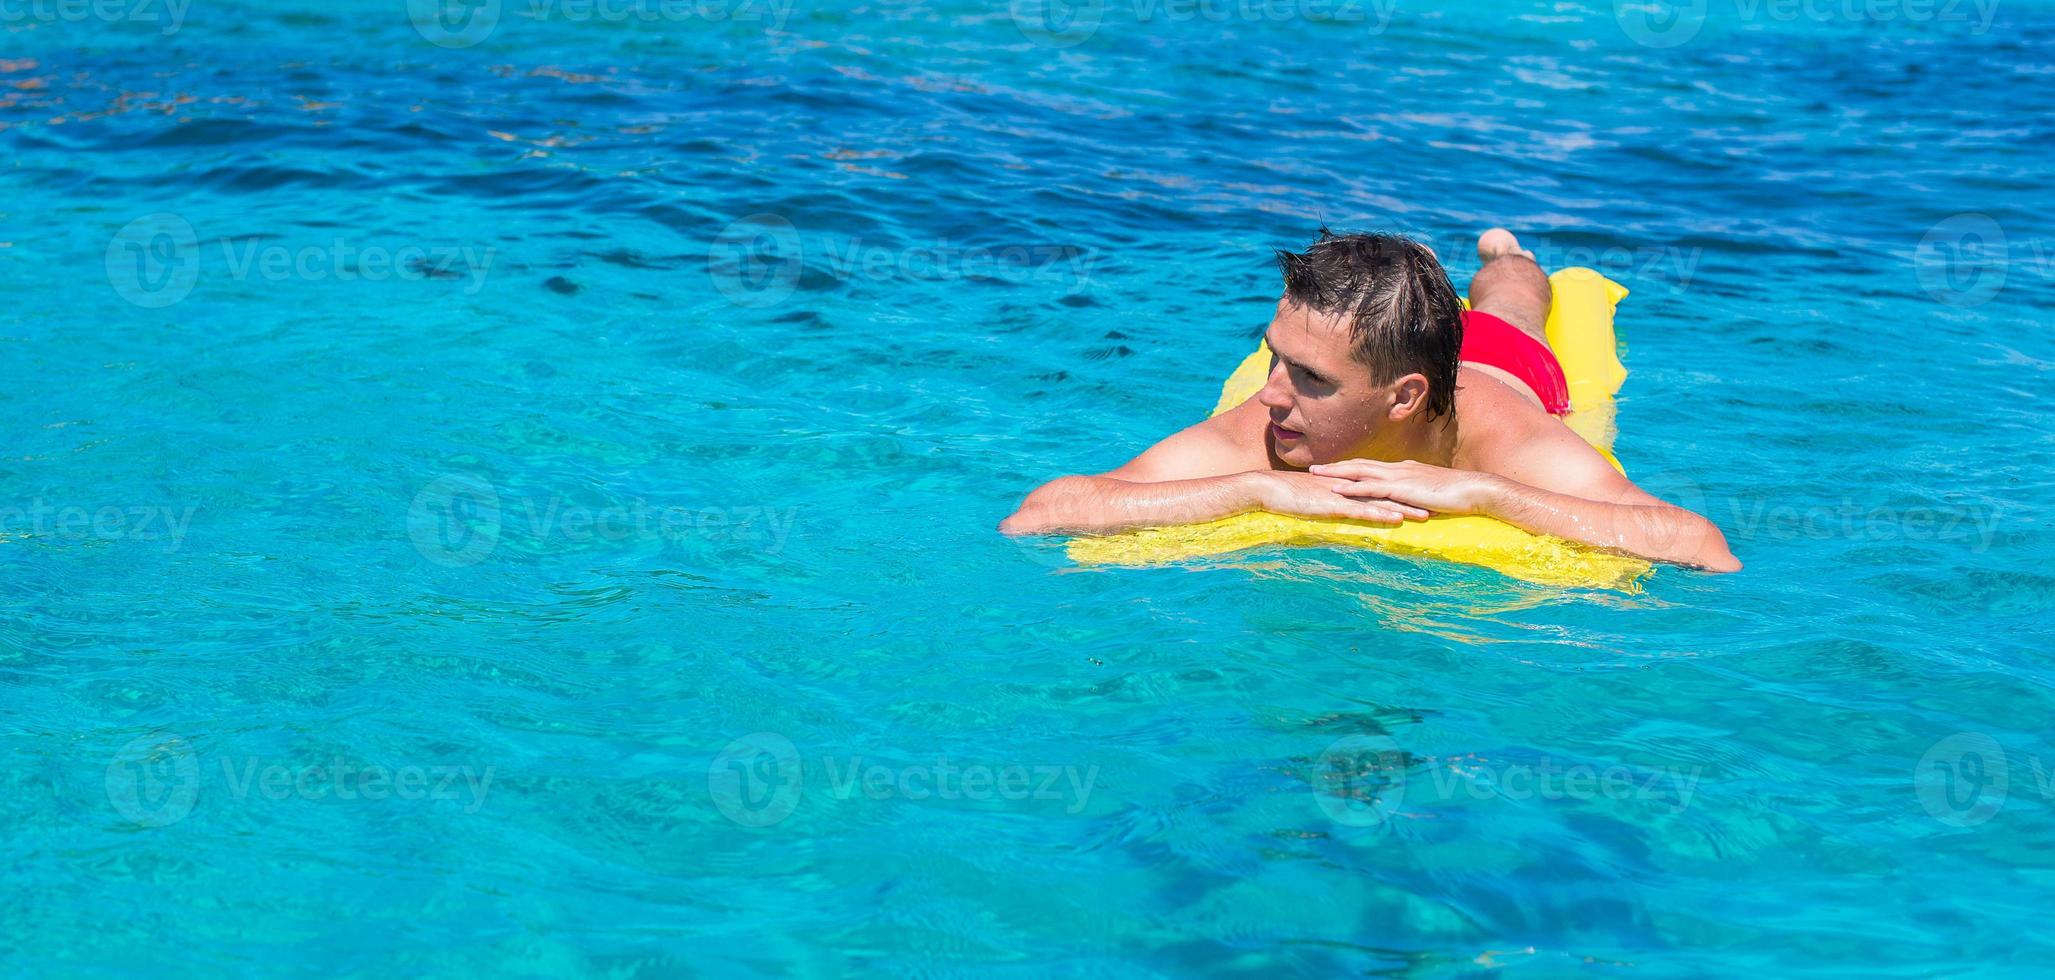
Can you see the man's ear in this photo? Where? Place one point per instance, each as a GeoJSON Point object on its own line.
{"type": "Point", "coordinates": [1408, 395]}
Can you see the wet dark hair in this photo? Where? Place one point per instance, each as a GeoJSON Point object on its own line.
{"type": "Point", "coordinates": [1402, 310]}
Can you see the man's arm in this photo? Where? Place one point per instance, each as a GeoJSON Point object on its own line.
{"type": "Point", "coordinates": [1194, 476]}
{"type": "Point", "coordinates": [1104, 504]}
{"type": "Point", "coordinates": [1560, 486]}
{"type": "Point", "coordinates": [1634, 522]}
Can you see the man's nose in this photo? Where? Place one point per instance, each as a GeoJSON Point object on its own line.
{"type": "Point", "coordinates": [1276, 391]}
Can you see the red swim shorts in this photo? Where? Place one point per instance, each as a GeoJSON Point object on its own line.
{"type": "Point", "coordinates": [1491, 341]}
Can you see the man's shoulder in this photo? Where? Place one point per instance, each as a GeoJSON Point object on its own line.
{"type": "Point", "coordinates": [1226, 443]}
{"type": "Point", "coordinates": [1503, 433]}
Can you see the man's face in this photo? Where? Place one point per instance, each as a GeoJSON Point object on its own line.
{"type": "Point", "coordinates": [1323, 406]}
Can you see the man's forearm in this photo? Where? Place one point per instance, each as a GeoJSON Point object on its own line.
{"type": "Point", "coordinates": [1655, 532]}
{"type": "Point", "coordinates": [1102, 505]}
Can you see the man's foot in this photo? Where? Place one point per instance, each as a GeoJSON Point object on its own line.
{"type": "Point", "coordinates": [1513, 290]}
{"type": "Point", "coordinates": [1498, 243]}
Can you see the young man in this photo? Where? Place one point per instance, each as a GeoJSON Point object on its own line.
{"type": "Point", "coordinates": [1388, 402]}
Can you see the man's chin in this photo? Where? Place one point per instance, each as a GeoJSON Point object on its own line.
{"type": "Point", "coordinates": [1293, 453]}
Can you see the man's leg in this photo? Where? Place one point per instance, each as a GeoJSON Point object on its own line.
{"type": "Point", "coordinates": [1511, 286]}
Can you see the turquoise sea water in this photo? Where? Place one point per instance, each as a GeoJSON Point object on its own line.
{"type": "Point", "coordinates": [515, 494]}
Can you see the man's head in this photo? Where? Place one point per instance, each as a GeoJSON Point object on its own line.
{"type": "Point", "coordinates": [1367, 337]}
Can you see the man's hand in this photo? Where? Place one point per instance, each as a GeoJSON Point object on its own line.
{"type": "Point", "coordinates": [1102, 505]}
{"type": "Point", "coordinates": [1417, 486]}
{"type": "Point", "coordinates": [1318, 496]}
{"type": "Point", "coordinates": [1631, 521]}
